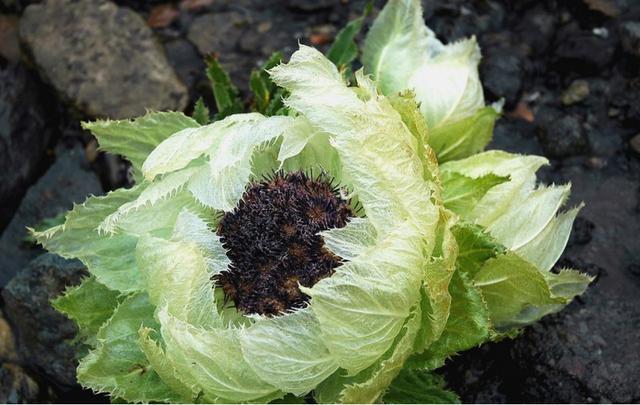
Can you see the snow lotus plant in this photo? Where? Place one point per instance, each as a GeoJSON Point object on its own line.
{"type": "Point", "coordinates": [341, 252]}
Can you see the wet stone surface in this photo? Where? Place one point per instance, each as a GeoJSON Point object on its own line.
{"type": "Point", "coordinates": [113, 66]}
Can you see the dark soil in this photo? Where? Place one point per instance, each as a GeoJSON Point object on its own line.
{"type": "Point", "coordinates": [567, 70]}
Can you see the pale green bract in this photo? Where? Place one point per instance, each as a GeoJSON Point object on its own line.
{"type": "Point", "coordinates": [442, 257]}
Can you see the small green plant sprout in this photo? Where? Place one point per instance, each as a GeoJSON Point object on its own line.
{"type": "Point", "coordinates": [337, 244]}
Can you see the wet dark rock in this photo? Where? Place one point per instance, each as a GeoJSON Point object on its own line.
{"type": "Point", "coordinates": [9, 44]}
{"type": "Point", "coordinates": [582, 51]}
{"type": "Point", "coordinates": [582, 231]}
{"type": "Point", "coordinates": [16, 386]}
{"type": "Point", "coordinates": [515, 135]}
{"type": "Point", "coordinates": [626, 97]}
{"type": "Point", "coordinates": [101, 57]}
{"type": "Point", "coordinates": [563, 137]}
{"type": "Point", "coordinates": [311, 5]}
{"type": "Point", "coordinates": [630, 37]}
{"type": "Point", "coordinates": [501, 73]}
{"type": "Point", "coordinates": [66, 182]}
{"type": "Point", "coordinates": [184, 58]}
{"type": "Point", "coordinates": [578, 355]}
{"type": "Point", "coordinates": [217, 32]}
{"type": "Point", "coordinates": [538, 28]}
{"type": "Point", "coordinates": [7, 342]}
{"type": "Point", "coordinates": [43, 334]}
{"type": "Point", "coordinates": [26, 122]}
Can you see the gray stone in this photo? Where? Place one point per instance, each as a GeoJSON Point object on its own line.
{"type": "Point", "coordinates": [501, 72]}
{"type": "Point", "coordinates": [311, 5]}
{"type": "Point", "coordinates": [43, 334]}
{"type": "Point", "coordinates": [16, 386]}
{"type": "Point", "coordinates": [562, 137]}
{"type": "Point", "coordinates": [217, 32]}
{"type": "Point", "coordinates": [630, 37]}
{"type": "Point", "coordinates": [101, 57]}
{"type": "Point", "coordinates": [634, 143]}
{"type": "Point", "coordinates": [25, 131]}
{"type": "Point", "coordinates": [66, 182]}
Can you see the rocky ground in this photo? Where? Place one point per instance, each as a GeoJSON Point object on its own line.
{"type": "Point", "coordinates": [567, 69]}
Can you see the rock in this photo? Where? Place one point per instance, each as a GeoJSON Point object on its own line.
{"type": "Point", "coordinates": [16, 386]}
{"type": "Point", "coordinates": [501, 72]}
{"type": "Point", "coordinates": [538, 28]}
{"type": "Point", "coordinates": [515, 135]}
{"type": "Point", "coordinates": [184, 58]}
{"type": "Point", "coordinates": [582, 52]}
{"type": "Point", "coordinates": [582, 231]}
{"type": "Point", "coordinates": [563, 137]}
{"type": "Point", "coordinates": [630, 37]}
{"type": "Point", "coordinates": [43, 334]}
{"type": "Point", "coordinates": [311, 5]}
{"type": "Point", "coordinates": [586, 353]}
{"type": "Point", "coordinates": [26, 122]}
{"type": "Point", "coordinates": [7, 342]}
{"type": "Point", "coordinates": [634, 143]}
{"type": "Point", "coordinates": [9, 44]}
{"type": "Point", "coordinates": [66, 182]}
{"type": "Point", "coordinates": [577, 91]}
{"type": "Point", "coordinates": [101, 57]}
{"type": "Point", "coordinates": [217, 32]}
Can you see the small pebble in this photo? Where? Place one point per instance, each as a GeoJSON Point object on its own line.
{"type": "Point", "coordinates": [575, 93]}
{"type": "Point", "coordinates": [635, 143]}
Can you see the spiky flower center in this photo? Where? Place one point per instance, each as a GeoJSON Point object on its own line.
{"type": "Point", "coordinates": [272, 242]}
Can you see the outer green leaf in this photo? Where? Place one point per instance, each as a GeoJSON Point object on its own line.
{"type": "Point", "coordinates": [545, 249]}
{"type": "Point", "coordinates": [461, 193]}
{"type": "Point", "coordinates": [448, 85]}
{"type": "Point", "coordinates": [118, 365]}
{"type": "Point", "coordinates": [363, 306]}
{"type": "Point", "coordinates": [201, 112]}
{"type": "Point", "coordinates": [352, 240]}
{"type": "Point", "coordinates": [568, 283]}
{"type": "Point", "coordinates": [177, 279]}
{"type": "Point", "coordinates": [462, 138]}
{"type": "Point", "coordinates": [225, 93]}
{"type": "Point", "coordinates": [369, 387]}
{"type": "Point", "coordinates": [135, 139]}
{"type": "Point", "coordinates": [213, 360]}
{"type": "Point", "coordinates": [419, 387]}
{"type": "Point", "coordinates": [90, 305]}
{"type": "Point", "coordinates": [288, 352]}
{"type": "Point", "coordinates": [110, 258]}
{"type": "Point", "coordinates": [188, 393]}
{"type": "Point", "coordinates": [515, 291]}
{"type": "Point", "coordinates": [396, 44]}
{"type": "Point", "coordinates": [468, 324]}
{"type": "Point", "coordinates": [474, 248]}
{"type": "Point", "coordinates": [183, 147]}
{"type": "Point", "coordinates": [221, 182]}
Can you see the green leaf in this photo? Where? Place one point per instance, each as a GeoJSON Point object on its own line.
{"type": "Point", "coordinates": [42, 226]}
{"type": "Point", "coordinates": [288, 351]}
{"type": "Point", "coordinates": [135, 139]}
{"type": "Point", "coordinates": [201, 112]}
{"type": "Point", "coordinates": [225, 93]}
{"type": "Point", "coordinates": [468, 325]}
{"type": "Point", "coordinates": [515, 291]}
{"type": "Point", "coordinates": [396, 45]}
{"type": "Point", "coordinates": [267, 96]}
{"type": "Point", "coordinates": [567, 283]}
{"type": "Point", "coordinates": [462, 138]}
{"type": "Point", "coordinates": [344, 49]}
{"type": "Point", "coordinates": [90, 305]}
{"type": "Point", "coordinates": [475, 247]}
{"type": "Point", "coordinates": [108, 257]}
{"type": "Point", "coordinates": [419, 387]}
{"type": "Point", "coordinates": [118, 365]}
{"type": "Point", "coordinates": [461, 193]}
